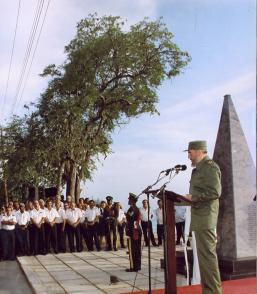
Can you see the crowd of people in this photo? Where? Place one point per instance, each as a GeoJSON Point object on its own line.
{"type": "Point", "coordinates": [57, 226]}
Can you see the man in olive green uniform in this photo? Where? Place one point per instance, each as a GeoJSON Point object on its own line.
{"type": "Point", "coordinates": [133, 231]}
{"type": "Point", "coordinates": [205, 190]}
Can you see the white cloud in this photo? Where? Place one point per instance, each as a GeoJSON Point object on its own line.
{"type": "Point", "coordinates": [208, 97]}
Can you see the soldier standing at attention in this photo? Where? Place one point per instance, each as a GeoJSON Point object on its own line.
{"type": "Point", "coordinates": [110, 224]}
{"type": "Point", "coordinates": [205, 190]}
{"type": "Point", "coordinates": [133, 231]}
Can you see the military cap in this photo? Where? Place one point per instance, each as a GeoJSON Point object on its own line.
{"type": "Point", "coordinates": [197, 145]}
{"type": "Point", "coordinates": [108, 198]}
{"type": "Point", "coordinates": [133, 197]}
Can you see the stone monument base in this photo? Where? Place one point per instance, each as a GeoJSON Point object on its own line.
{"type": "Point", "coordinates": [181, 264]}
{"type": "Point", "coordinates": [229, 269]}
{"type": "Point", "coordinates": [238, 268]}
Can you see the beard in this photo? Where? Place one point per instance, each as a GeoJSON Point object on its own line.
{"type": "Point", "coordinates": [193, 163]}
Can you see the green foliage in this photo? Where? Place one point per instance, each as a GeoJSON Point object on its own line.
{"type": "Point", "coordinates": [110, 76]}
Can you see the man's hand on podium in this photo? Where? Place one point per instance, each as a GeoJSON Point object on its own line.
{"type": "Point", "coordinates": [188, 196]}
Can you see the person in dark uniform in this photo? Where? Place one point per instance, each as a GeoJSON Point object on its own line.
{"type": "Point", "coordinates": [110, 218]}
{"type": "Point", "coordinates": [101, 224]}
{"type": "Point", "coordinates": [134, 232]}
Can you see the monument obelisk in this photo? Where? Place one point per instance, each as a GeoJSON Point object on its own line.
{"type": "Point", "coordinates": [237, 217]}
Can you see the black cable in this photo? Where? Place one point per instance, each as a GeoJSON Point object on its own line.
{"type": "Point", "coordinates": [32, 59]}
{"type": "Point", "coordinates": [28, 49]}
{"type": "Point", "coordinates": [10, 64]}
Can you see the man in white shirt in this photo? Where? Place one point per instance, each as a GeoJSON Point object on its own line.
{"type": "Point", "coordinates": [82, 225]}
{"type": "Point", "coordinates": [180, 212]}
{"type": "Point", "coordinates": [29, 209]}
{"type": "Point", "coordinates": [50, 227]}
{"type": "Point", "coordinates": [58, 200]}
{"type": "Point", "coordinates": [60, 226]}
{"type": "Point", "coordinates": [101, 231]}
{"type": "Point", "coordinates": [37, 218]}
{"type": "Point", "coordinates": [22, 232]}
{"type": "Point", "coordinates": [91, 219]}
{"type": "Point", "coordinates": [73, 215]}
{"type": "Point", "coordinates": [42, 203]}
{"type": "Point", "coordinates": [159, 219]}
{"type": "Point", "coordinates": [16, 207]}
{"type": "Point", "coordinates": [144, 223]}
{"type": "Point", "coordinates": [121, 221]}
{"type": "Point", "coordinates": [8, 235]}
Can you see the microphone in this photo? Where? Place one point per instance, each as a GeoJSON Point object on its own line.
{"type": "Point", "coordinates": [177, 168]}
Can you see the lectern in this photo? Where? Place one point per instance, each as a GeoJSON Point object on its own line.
{"type": "Point", "coordinates": [169, 199]}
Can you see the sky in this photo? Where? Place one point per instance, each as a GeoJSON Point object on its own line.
{"type": "Point", "coordinates": [219, 35]}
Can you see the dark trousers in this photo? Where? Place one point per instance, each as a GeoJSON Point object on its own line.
{"type": "Point", "coordinates": [134, 248]}
{"type": "Point", "coordinates": [22, 240]}
{"type": "Point", "coordinates": [38, 239]}
{"type": "Point", "coordinates": [145, 232]}
{"type": "Point", "coordinates": [30, 229]}
{"type": "Point", "coordinates": [1, 247]}
{"type": "Point", "coordinates": [51, 237]}
{"type": "Point", "coordinates": [84, 234]}
{"type": "Point", "coordinates": [8, 244]}
{"type": "Point", "coordinates": [93, 237]}
{"type": "Point", "coordinates": [180, 227]}
{"type": "Point", "coordinates": [111, 227]}
{"type": "Point", "coordinates": [121, 228]}
{"type": "Point", "coordinates": [74, 232]}
{"type": "Point", "coordinates": [160, 233]}
{"type": "Point", "coordinates": [61, 238]}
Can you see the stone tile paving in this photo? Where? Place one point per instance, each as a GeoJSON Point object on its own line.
{"type": "Point", "coordinates": [89, 272]}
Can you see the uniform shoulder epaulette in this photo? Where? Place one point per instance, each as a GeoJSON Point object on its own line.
{"type": "Point", "coordinates": [211, 163]}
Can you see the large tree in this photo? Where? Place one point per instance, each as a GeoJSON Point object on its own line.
{"type": "Point", "coordinates": [111, 74]}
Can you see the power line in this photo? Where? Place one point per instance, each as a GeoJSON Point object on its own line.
{"type": "Point", "coordinates": [32, 59]}
{"type": "Point", "coordinates": [28, 49]}
{"type": "Point", "coordinates": [10, 64]}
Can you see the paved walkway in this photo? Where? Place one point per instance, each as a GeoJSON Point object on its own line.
{"type": "Point", "coordinates": [89, 272]}
{"type": "Point", "coordinates": [12, 279]}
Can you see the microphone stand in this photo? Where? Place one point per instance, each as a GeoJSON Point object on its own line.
{"type": "Point", "coordinates": [146, 191]}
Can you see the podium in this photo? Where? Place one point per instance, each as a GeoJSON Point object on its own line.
{"type": "Point", "coordinates": [169, 199]}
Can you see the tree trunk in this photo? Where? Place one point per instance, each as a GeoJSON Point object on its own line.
{"type": "Point", "coordinates": [59, 178]}
{"type": "Point", "coordinates": [5, 192]}
{"type": "Point", "coordinates": [36, 193]}
{"type": "Point", "coordinates": [25, 193]}
{"type": "Point", "coordinates": [71, 182]}
{"type": "Point", "coordinates": [77, 189]}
